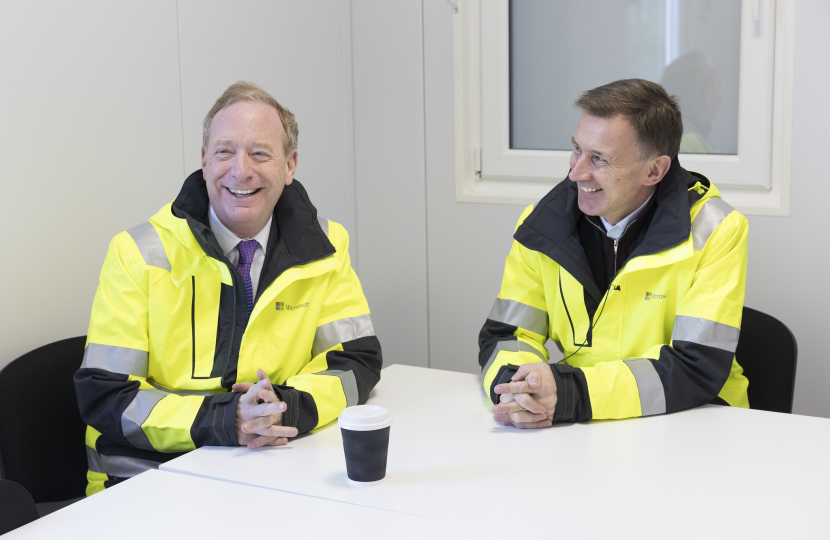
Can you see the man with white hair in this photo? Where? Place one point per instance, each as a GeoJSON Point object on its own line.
{"type": "Point", "coordinates": [231, 317]}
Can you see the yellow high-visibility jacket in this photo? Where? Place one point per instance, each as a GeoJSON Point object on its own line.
{"type": "Point", "coordinates": [660, 338]}
{"type": "Point", "coordinates": [169, 334]}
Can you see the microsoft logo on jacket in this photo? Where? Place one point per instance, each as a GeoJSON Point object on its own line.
{"type": "Point", "coordinates": [282, 306]}
{"type": "Point", "coordinates": [652, 296]}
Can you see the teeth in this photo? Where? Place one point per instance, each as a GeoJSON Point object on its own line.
{"type": "Point", "coordinates": [590, 190]}
{"type": "Point", "coordinates": [241, 191]}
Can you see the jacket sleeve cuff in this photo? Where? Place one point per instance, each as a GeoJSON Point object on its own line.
{"type": "Point", "coordinates": [562, 395]}
{"type": "Point", "coordinates": [300, 408]}
{"type": "Point", "coordinates": [573, 403]}
{"type": "Point", "coordinates": [224, 418]}
{"type": "Point", "coordinates": [503, 375]}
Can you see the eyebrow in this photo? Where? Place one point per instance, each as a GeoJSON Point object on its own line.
{"type": "Point", "coordinates": [264, 146]}
{"type": "Point", "coordinates": [595, 152]}
{"type": "Point", "coordinates": [228, 142]}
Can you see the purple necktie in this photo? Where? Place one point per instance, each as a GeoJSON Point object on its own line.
{"type": "Point", "coordinates": [247, 249]}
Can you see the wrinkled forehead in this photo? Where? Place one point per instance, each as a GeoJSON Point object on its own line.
{"type": "Point", "coordinates": [245, 121]}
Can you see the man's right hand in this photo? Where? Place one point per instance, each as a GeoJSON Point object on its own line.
{"type": "Point", "coordinates": [259, 415]}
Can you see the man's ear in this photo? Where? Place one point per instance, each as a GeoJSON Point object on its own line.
{"type": "Point", "coordinates": [657, 169]}
{"type": "Point", "coordinates": [291, 161]}
{"type": "Point", "coordinates": [203, 158]}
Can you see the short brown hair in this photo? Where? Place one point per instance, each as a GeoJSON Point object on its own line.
{"type": "Point", "coordinates": [654, 114]}
{"type": "Point", "coordinates": [245, 91]}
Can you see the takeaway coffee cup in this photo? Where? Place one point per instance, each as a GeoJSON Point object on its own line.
{"type": "Point", "coordinates": [365, 431]}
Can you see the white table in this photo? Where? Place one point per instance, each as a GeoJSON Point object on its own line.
{"type": "Point", "coordinates": [709, 472]}
{"type": "Point", "coordinates": [163, 505]}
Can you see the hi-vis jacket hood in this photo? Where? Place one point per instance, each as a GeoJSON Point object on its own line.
{"type": "Point", "coordinates": [660, 338]}
{"type": "Point", "coordinates": [169, 334]}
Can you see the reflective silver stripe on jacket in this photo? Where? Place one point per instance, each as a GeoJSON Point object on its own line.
{"type": "Point", "coordinates": [705, 332]}
{"type": "Point", "coordinates": [520, 315]}
{"type": "Point", "coordinates": [149, 244]}
{"type": "Point", "coordinates": [341, 331]}
{"type": "Point", "coordinates": [122, 360]}
{"type": "Point", "coordinates": [707, 220]}
{"type": "Point", "coordinates": [136, 413]}
{"type": "Point", "coordinates": [127, 467]}
{"type": "Point", "coordinates": [348, 381]}
{"type": "Point", "coordinates": [652, 393]}
{"type": "Point", "coordinates": [122, 466]}
{"type": "Point", "coordinates": [512, 345]}
{"type": "Point", "coordinates": [94, 460]}
{"type": "Point", "coordinates": [324, 224]}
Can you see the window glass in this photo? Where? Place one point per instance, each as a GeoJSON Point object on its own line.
{"type": "Point", "coordinates": [559, 48]}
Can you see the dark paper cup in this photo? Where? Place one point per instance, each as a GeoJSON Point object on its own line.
{"type": "Point", "coordinates": [365, 431]}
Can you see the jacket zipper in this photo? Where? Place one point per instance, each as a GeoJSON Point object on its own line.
{"type": "Point", "coordinates": [616, 244]}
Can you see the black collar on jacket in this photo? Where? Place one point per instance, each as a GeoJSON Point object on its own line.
{"type": "Point", "coordinates": [296, 236]}
{"type": "Point", "coordinates": [551, 226]}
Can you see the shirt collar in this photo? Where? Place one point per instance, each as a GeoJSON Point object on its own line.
{"type": "Point", "coordinates": [228, 240]}
{"type": "Point", "coordinates": [616, 231]}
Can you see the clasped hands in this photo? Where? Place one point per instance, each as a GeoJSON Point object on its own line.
{"type": "Point", "coordinates": [529, 400]}
{"type": "Point", "coordinates": [259, 415]}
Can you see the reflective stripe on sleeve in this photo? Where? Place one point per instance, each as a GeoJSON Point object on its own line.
{"type": "Point", "coordinates": [121, 466]}
{"type": "Point", "coordinates": [93, 460]}
{"type": "Point", "coordinates": [714, 211]}
{"type": "Point", "coordinates": [148, 241]}
{"type": "Point", "coordinates": [520, 315]}
{"type": "Point", "coordinates": [324, 224]}
{"type": "Point", "coordinates": [649, 385]}
{"type": "Point", "coordinates": [127, 467]}
{"type": "Point", "coordinates": [349, 383]}
{"type": "Point", "coordinates": [341, 331]}
{"type": "Point", "coordinates": [705, 332]}
{"type": "Point", "coordinates": [121, 360]}
{"type": "Point", "coordinates": [136, 413]}
{"type": "Point", "coordinates": [513, 345]}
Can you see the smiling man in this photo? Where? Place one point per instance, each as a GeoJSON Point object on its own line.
{"type": "Point", "coordinates": [231, 317]}
{"type": "Point", "coordinates": [633, 266]}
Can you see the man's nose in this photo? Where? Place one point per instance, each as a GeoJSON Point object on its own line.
{"type": "Point", "coordinates": [241, 165]}
{"type": "Point", "coordinates": [580, 170]}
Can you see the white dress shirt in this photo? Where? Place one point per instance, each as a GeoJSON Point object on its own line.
{"type": "Point", "coordinates": [615, 231]}
{"type": "Point", "coordinates": [229, 243]}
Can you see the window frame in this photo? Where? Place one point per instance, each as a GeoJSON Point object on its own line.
{"type": "Point", "coordinates": [755, 181]}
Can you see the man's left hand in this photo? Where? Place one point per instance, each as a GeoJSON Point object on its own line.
{"type": "Point", "coordinates": [529, 401]}
{"type": "Point", "coordinates": [259, 415]}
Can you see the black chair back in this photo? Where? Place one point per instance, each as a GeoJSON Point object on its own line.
{"type": "Point", "coordinates": [768, 352]}
{"type": "Point", "coordinates": [41, 432]}
{"type": "Point", "coordinates": [16, 506]}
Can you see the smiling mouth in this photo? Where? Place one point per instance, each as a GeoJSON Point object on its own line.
{"type": "Point", "coordinates": [590, 190]}
{"type": "Point", "coordinates": [243, 192]}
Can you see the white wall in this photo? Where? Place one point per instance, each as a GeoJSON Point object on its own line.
{"type": "Point", "coordinates": [91, 143]}
{"type": "Point", "coordinates": [100, 121]}
{"type": "Point", "coordinates": [389, 169]}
